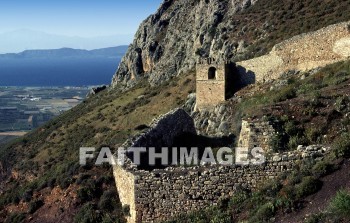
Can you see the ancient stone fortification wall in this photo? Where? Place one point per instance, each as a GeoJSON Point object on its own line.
{"type": "Point", "coordinates": [159, 195]}
{"type": "Point", "coordinates": [302, 52]}
{"type": "Point", "coordinates": [163, 194]}
{"type": "Point", "coordinates": [125, 182]}
{"type": "Point", "coordinates": [256, 134]}
{"type": "Point", "coordinates": [162, 132]}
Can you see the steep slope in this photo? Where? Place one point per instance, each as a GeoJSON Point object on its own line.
{"type": "Point", "coordinates": [40, 178]}
{"type": "Point", "coordinates": [170, 41]}
{"type": "Point", "coordinates": [307, 109]}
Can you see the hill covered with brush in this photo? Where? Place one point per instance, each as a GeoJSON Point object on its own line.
{"type": "Point", "coordinates": [40, 176]}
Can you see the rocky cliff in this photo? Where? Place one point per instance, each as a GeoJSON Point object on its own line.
{"type": "Point", "coordinates": [170, 41]}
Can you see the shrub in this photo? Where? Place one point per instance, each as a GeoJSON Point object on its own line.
{"type": "Point", "coordinates": [308, 186]}
{"type": "Point", "coordinates": [342, 146]}
{"type": "Point", "coordinates": [312, 134]}
{"type": "Point", "coordinates": [271, 188]}
{"type": "Point", "coordinates": [295, 141]}
{"type": "Point", "coordinates": [284, 94]}
{"type": "Point", "coordinates": [341, 103]}
{"type": "Point", "coordinates": [63, 182]}
{"type": "Point", "coordinates": [88, 214]}
{"type": "Point", "coordinates": [27, 195]}
{"type": "Point", "coordinates": [278, 142]}
{"type": "Point", "coordinates": [107, 201]}
{"type": "Point", "coordinates": [290, 128]}
{"type": "Point", "coordinates": [86, 193]}
{"type": "Point", "coordinates": [35, 205]}
{"type": "Point", "coordinates": [16, 218]}
{"type": "Point", "coordinates": [340, 204]}
{"type": "Point", "coordinates": [238, 198]}
{"type": "Point", "coordinates": [322, 168]}
{"type": "Point", "coordinates": [264, 212]}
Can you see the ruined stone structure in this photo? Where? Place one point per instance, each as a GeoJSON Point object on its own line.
{"type": "Point", "coordinates": [256, 133]}
{"type": "Point", "coordinates": [161, 194]}
{"type": "Point", "coordinates": [212, 80]}
{"type": "Point", "coordinates": [303, 52]}
{"type": "Point", "coordinates": [300, 53]}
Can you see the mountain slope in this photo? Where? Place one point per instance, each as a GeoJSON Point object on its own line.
{"type": "Point", "coordinates": [40, 178]}
{"type": "Point", "coordinates": [40, 175]}
{"type": "Point", "coordinates": [170, 41]}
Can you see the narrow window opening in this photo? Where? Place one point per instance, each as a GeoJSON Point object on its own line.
{"type": "Point", "coordinates": [212, 73]}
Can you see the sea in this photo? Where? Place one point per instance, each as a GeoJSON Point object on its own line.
{"type": "Point", "coordinates": [39, 72]}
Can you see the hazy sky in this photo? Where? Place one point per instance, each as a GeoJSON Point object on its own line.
{"type": "Point", "coordinates": [85, 18]}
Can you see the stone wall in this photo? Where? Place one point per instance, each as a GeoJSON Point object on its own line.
{"type": "Point", "coordinates": [125, 182]}
{"type": "Point", "coordinates": [161, 132]}
{"type": "Point", "coordinates": [161, 195]}
{"type": "Point", "coordinates": [256, 133]}
{"type": "Point", "coordinates": [303, 52]}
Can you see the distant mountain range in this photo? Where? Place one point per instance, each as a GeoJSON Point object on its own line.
{"type": "Point", "coordinates": [25, 39]}
{"type": "Point", "coordinates": [110, 52]}
{"type": "Point", "coordinates": [60, 67]}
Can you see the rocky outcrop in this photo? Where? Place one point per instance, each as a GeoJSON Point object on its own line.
{"type": "Point", "coordinates": [169, 42]}
{"type": "Point", "coordinates": [217, 121]}
{"type": "Point", "coordinates": [96, 90]}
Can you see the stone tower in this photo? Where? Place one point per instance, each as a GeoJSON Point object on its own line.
{"type": "Point", "coordinates": [212, 80]}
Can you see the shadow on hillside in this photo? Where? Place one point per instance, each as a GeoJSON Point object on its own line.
{"type": "Point", "coordinates": [187, 141]}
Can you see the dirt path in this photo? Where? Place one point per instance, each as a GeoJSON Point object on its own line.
{"type": "Point", "coordinates": [318, 202]}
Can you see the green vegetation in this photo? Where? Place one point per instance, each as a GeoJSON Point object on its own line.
{"type": "Point", "coordinates": [286, 193]}
{"type": "Point", "coordinates": [272, 21]}
{"type": "Point", "coordinates": [307, 186]}
{"type": "Point", "coordinates": [305, 111]}
{"type": "Point", "coordinates": [35, 205]}
{"type": "Point", "coordinates": [111, 117]}
{"type": "Point", "coordinates": [48, 157]}
{"type": "Point", "coordinates": [342, 146]}
{"type": "Point", "coordinates": [340, 205]}
{"type": "Point", "coordinates": [16, 218]}
{"type": "Point", "coordinates": [338, 210]}
{"type": "Point", "coordinates": [310, 108]}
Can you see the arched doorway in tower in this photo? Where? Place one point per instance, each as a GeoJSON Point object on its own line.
{"type": "Point", "coordinates": [212, 73]}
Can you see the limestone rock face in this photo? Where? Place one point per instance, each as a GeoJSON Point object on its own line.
{"type": "Point", "coordinates": [170, 41]}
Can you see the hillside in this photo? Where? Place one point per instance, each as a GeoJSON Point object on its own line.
{"type": "Point", "coordinates": [306, 111]}
{"type": "Point", "coordinates": [42, 181]}
{"type": "Point", "coordinates": [42, 168]}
